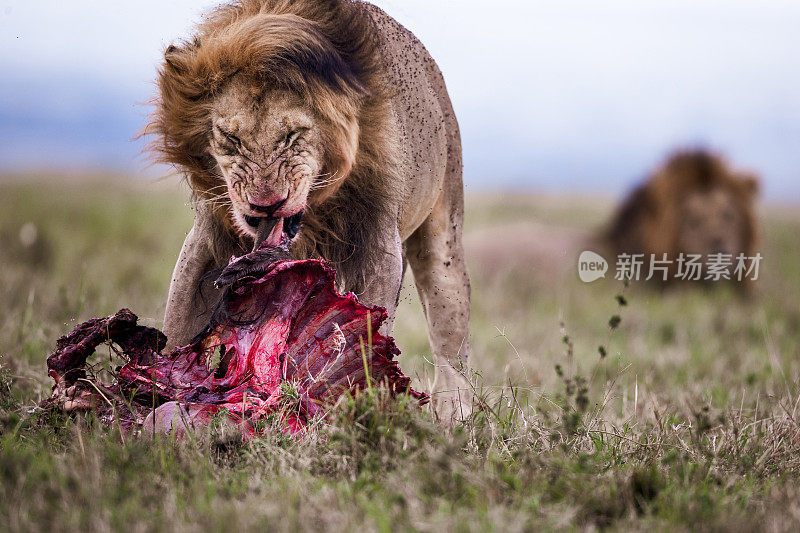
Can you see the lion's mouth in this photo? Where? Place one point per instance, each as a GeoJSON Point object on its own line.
{"type": "Point", "coordinates": [271, 229]}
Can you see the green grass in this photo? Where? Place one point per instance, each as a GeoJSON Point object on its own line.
{"type": "Point", "coordinates": [689, 422]}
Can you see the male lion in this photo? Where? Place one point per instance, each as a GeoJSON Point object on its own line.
{"type": "Point", "coordinates": [328, 122]}
{"type": "Point", "coordinates": [695, 203]}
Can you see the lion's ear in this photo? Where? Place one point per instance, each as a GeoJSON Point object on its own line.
{"type": "Point", "coordinates": [175, 55]}
{"type": "Point", "coordinates": [171, 55]}
{"type": "Point", "coordinates": [751, 184]}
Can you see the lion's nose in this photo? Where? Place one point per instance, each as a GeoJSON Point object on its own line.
{"type": "Point", "coordinates": [268, 210]}
{"type": "Point", "coordinates": [718, 245]}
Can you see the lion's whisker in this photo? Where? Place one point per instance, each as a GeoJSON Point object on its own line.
{"type": "Point", "coordinates": [216, 196]}
{"type": "Point", "coordinates": [221, 202]}
{"type": "Point", "coordinates": [325, 182]}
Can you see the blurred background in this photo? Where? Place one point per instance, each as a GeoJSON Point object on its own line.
{"type": "Point", "coordinates": [563, 96]}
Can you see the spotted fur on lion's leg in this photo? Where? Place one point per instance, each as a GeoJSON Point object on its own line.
{"type": "Point", "coordinates": [436, 256]}
{"type": "Point", "coordinates": [383, 287]}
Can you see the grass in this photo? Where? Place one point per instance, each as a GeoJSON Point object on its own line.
{"type": "Point", "coordinates": [690, 421]}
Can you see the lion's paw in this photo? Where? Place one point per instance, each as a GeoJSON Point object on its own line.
{"type": "Point", "coordinates": [452, 396]}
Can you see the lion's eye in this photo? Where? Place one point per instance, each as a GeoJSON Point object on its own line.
{"type": "Point", "coordinates": [233, 141]}
{"type": "Point", "coordinates": [292, 136]}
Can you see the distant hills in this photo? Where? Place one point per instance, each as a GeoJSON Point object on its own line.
{"type": "Point", "coordinates": [62, 122]}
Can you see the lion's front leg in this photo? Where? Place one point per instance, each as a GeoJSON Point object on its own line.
{"type": "Point", "coordinates": [436, 257]}
{"type": "Point", "coordinates": [191, 298]}
{"type": "Point", "coordinates": [383, 281]}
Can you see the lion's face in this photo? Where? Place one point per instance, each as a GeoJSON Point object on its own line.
{"type": "Point", "coordinates": [268, 146]}
{"type": "Point", "coordinates": [711, 222]}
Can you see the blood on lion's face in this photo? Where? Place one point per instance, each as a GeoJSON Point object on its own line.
{"type": "Point", "coordinates": [268, 147]}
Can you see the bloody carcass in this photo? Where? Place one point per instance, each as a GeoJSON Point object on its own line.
{"type": "Point", "coordinates": [283, 344]}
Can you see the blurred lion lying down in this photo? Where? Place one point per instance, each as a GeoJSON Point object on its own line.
{"type": "Point", "coordinates": [694, 205]}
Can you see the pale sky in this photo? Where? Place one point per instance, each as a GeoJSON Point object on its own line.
{"type": "Point", "coordinates": [574, 95]}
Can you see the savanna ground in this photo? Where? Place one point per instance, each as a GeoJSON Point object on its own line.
{"type": "Point", "coordinates": [689, 422]}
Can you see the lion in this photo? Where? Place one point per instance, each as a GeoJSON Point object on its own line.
{"type": "Point", "coordinates": [694, 204]}
{"type": "Point", "coordinates": [327, 122]}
